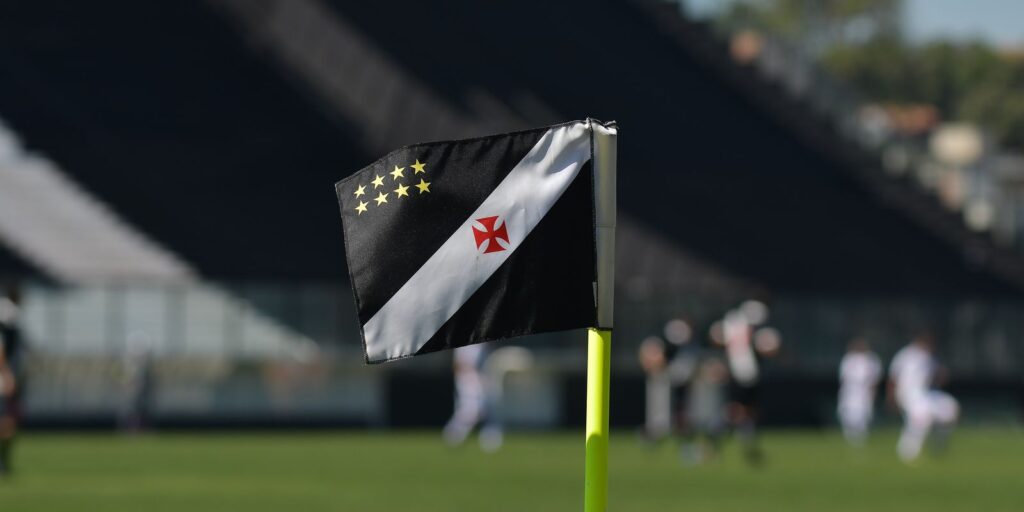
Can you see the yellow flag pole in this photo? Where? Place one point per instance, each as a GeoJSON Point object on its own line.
{"type": "Point", "coordinates": [595, 495]}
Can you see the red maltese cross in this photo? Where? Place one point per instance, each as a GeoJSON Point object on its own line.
{"type": "Point", "coordinates": [488, 238]}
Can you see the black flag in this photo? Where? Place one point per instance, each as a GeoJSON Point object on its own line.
{"type": "Point", "coordinates": [458, 242]}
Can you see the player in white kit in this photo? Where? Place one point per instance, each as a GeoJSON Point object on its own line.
{"type": "Point", "coordinates": [912, 374]}
{"type": "Point", "coordinates": [859, 373]}
{"type": "Point", "coordinates": [470, 393]}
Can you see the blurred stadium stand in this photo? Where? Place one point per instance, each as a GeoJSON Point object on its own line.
{"type": "Point", "coordinates": [67, 232]}
{"type": "Point", "coordinates": [215, 130]}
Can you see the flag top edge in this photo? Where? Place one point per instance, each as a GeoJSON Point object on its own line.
{"type": "Point", "coordinates": [467, 139]}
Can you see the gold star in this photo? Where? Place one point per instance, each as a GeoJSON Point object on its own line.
{"type": "Point", "coordinates": [397, 173]}
{"type": "Point", "coordinates": [401, 190]}
{"type": "Point", "coordinates": [361, 208]}
{"type": "Point", "coordinates": [378, 182]}
{"type": "Point", "coordinates": [424, 186]}
{"type": "Point", "coordinates": [381, 198]}
{"type": "Point", "coordinates": [361, 190]}
{"type": "Point", "coordinates": [418, 166]}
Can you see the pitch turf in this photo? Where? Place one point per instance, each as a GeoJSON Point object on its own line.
{"type": "Point", "coordinates": [806, 471]}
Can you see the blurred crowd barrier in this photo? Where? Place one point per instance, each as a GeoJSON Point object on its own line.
{"type": "Point", "coordinates": [263, 354]}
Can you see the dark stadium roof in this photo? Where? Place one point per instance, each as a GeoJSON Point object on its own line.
{"type": "Point", "coordinates": [161, 111]}
{"type": "Point", "coordinates": [11, 266]}
{"type": "Point", "coordinates": [219, 151]}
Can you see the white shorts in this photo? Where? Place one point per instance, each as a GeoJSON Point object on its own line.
{"type": "Point", "coordinates": [856, 410]}
{"type": "Point", "coordinates": [932, 407]}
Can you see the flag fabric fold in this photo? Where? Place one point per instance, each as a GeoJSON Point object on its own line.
{"type": "Point", "coordinates": [459, 242]}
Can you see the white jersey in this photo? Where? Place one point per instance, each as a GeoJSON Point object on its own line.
{"type": "Point", "coordinates": [8, 311]}
{"type": "Point", "coordinates": [739, 350]}
{"type": "Point", "coordinates": [469, 357]}
{"type": "Point", "coordinates": [858, 374]}
{"type": "Point", "coordinates": [913, 369]}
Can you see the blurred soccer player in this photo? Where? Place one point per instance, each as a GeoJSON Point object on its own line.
{"type": "Point", "coordinates": [912, 374]}
{"type": "Point", "coordinates": [658, 399]}
{"type": "Point", "coordinates": [859, 372]}
{"type": "Point", "coordinates": [670, 366]}
{"type": "Point", "coordinates": [706, 410]}
{"type": "Point", "coordinates": [496, 369]}
{"type": "Point", "coordinates": [742, 352]}
{"type": "Point", "coordinates": [470, 395]}
{"type": "Point", "coordinates": [12, 383]}
{"type": "Point", "coordinates": [137, 383]}
{"type": "Point", "coordinates": [683, 355]}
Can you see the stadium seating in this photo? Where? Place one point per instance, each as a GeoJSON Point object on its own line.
{"type": "Point", "coordinates": [226, 153]}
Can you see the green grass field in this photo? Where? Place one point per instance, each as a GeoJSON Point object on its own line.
{"type": "Point", "coordinates": [806, 471]}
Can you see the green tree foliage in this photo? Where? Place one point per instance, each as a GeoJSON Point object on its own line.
{"type": "Point", "coordinates": [861, 42]}
{"type": "Point", "coordinates": [965, 82]}
{"type": "Point", "coordinates": [816, 24]}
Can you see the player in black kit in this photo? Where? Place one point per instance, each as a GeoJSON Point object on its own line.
{"type": "Point", "coordinates": [11, 375]}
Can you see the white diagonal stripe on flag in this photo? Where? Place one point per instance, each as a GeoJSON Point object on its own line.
{"type": "Point", "coordinates": [458, 269]}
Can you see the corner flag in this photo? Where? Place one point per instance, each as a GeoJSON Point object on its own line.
{"type": "Point", "coordinates": [459, 242]}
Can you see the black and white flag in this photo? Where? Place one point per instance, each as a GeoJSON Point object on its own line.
{"type": "Point", "coordinates": [458, 242]}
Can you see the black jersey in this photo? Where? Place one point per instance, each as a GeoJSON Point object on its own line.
{"type": "Point", "coordinates": [10, 336]}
